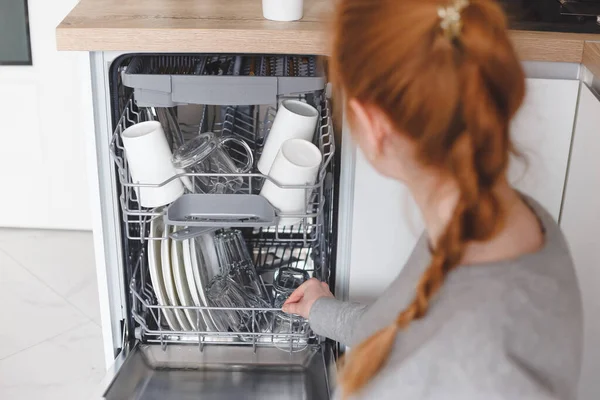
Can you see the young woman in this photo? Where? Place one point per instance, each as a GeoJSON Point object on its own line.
{"type": "Point", "coordinates": [488, 305]}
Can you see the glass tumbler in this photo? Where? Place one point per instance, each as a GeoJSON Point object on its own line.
{"type": "Point", "coordinates": [290, 332]}
{"type": "Point", "coordinates": [223, 292]}
{"type": "Point", "coordinates": [207, 154]}
{"type": "Point", "coordinates": [285, 281]}
{"type": "Point", "coordinates": [235, 261]}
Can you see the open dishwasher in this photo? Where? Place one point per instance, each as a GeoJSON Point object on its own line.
{"type": "Point", "coordinates": [266, 354]}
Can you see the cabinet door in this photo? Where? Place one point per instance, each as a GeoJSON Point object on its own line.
{"type": "Point", "coordinates": [581, 226]}
{"type": "Point", "coordinates": [46, 114]}
{"type": "Point", "coordinates": [385, 227]}
{"type": "Point", "coordinates": [542, 132]}
{"type": "Point", "coordinates": [386, 223]}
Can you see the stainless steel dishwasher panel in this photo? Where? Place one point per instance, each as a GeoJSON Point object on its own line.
{"type": "Point", "coordinates": [182, 372]}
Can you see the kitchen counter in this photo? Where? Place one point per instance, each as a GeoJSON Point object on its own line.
{"type": "Point", "coordinates": [237, 26]}
{"type": "Point", "coordinates": [224, 26]}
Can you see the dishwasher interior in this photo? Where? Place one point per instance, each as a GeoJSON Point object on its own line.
{"type": "Point", "coordinates": [221, 349]}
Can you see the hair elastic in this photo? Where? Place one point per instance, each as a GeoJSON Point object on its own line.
{"type": "Point", "coordinates": [451, 22]}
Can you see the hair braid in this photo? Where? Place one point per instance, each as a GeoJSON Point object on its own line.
{"type": "Point", "coordinates": [446, 256]}
{"type": "Point", "coordinates": [454, 95]}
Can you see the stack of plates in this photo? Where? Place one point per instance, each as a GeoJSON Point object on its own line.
{"type": "Point", "coordinates": [180, 272]}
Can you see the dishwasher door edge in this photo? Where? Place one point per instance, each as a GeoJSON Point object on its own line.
{"type": "Point", "coordinates": [345, 213]}
{"type": "Point", "coordinates": [112, 372]}
{"type": "Point", "coordinates": [105, 211]}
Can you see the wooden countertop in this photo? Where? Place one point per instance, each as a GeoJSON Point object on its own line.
{"type": "Point", "coordinates": [225, 26]}
{"type": "Point", "coordinates": [237, 26]}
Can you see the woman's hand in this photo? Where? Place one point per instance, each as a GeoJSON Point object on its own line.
{"type": "Point", "coordinates": [301, 301]}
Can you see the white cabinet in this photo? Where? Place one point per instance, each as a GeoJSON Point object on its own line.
{"type": "Point", "coordinates": [542, 132]}
{"type": "Point", "coordinates": [581, 226]}
{"type": "Point", "coordinates": [46, 113]}
{"type": "Point", "coordinates": [386, 223]}
{"type": "Point", "coordinates": [385, 227]}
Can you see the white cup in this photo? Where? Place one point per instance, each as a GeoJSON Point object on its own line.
{"type": "Point", "coordinates": [283, 10]}
{"type": "Point", "coordinates": [149, 158]}
{"type": "Point", "coordinates": [297, 163]}
{"type": "Point", "coordinates": [294, 120]}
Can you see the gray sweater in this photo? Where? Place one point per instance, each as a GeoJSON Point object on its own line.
{"type": "Point", "coordinates": [504, 330]}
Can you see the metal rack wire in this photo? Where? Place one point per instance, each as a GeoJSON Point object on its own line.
{"type": "Point", "coordinates": [262, 326]}
{"type": "Point", "coordinates": [305, 246]}
{"type": "Point", "coordinates": [251, 124]}
{"type": "Point", "coordinates": [227, 65]}
{"type": "Point", "coordinates": [181, 79]}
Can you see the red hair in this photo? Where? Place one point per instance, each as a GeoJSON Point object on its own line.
{"type": "Point", "coordinates": [454, 95]}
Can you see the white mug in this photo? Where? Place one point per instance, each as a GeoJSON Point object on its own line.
{"type": "Point", "coordinates": [294, 120]}
{"type": "Point", "coordinates": [149, 158]}
{"type": "Point", "coordinates": [297, 163]}
{"type": "Point", "coordinates": [283, 10]}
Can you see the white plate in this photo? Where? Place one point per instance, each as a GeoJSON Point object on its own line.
{"type": "Point", "coordinates": [155, 265]}
{"type": "Point", "coordinates": [167, 274]}
{"type": "Point", "coordinates": [201, 279]}
{"type": "Point", "coordinates": [181, 284]}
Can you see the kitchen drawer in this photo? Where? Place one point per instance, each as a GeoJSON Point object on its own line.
{"type": "Point", "coordinates": [149, 372]}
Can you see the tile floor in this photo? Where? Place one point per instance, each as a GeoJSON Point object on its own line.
{"type": "Point", "coordinates": [50, 337]}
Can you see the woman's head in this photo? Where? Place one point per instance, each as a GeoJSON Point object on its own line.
{"type": "Point", "coordinates": [431, 85]}
{"type": "Point", "coordinates": [404, 75]}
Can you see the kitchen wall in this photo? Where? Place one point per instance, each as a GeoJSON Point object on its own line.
{"type": "Point", "coordinates": [45, 116]}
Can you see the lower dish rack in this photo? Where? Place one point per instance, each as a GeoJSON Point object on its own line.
{"type": "Point", "coordinates": [261, 327]}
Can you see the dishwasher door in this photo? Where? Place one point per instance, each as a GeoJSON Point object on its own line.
{"type": "Point", "coordinates": [182, 372]}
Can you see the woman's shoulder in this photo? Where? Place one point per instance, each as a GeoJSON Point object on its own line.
{"type": "Point", "coordinates": [548, 273]}
{"type": "Point", "coordinates": [539, 290]}
{"type": "Point", "coordinates": [540, 319]}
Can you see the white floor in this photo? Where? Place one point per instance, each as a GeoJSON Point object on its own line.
{"type": "Point", "coordinates": [50, 337]}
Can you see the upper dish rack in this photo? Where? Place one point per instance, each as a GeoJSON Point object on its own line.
{"type": "Point", "coordinates": [170, 80]}
{"type": "Point", "coordinates": [250, 124]}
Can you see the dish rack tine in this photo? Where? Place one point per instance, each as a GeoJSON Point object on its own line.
{"type": "Point", "coordinates": [254, 329]}
{"type": "Point", "coordinates": [162, 344]}
{"type": "Point", "coordinates": [201, 344]}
